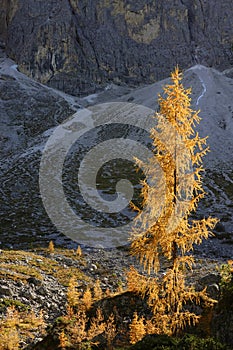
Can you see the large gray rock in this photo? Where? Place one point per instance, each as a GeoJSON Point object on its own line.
{"type": "Point", "coordinates": [79, 46]}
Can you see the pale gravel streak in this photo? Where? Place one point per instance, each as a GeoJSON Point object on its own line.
{"type": "Point", "coordinates": [204, 90]}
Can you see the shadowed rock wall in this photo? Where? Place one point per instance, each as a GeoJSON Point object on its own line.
{"type": "Point", "coordinates": [80, 45]}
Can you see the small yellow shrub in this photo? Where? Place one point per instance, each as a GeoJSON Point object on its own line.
{"type": "Point", "coordinates": [87, 299]}
{"type": "Point", "coordinates": [51, 247]}
{"type": "Point", "coordinates": [137, 329]}
{"type": "Point", "coordinates": [79, 251]}
{"type": "Point", "coordinates": [15, 326]}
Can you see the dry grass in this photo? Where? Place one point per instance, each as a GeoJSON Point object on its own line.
{"type": "Point", "coordinates": [20, 265]}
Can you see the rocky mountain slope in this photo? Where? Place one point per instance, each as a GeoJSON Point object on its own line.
{"type": "Point", "coordinates": [29, 113]}
{"type": "Point", "coordinates": [79, 46]}
{"type": "Point", "coordinates": [27, 110]}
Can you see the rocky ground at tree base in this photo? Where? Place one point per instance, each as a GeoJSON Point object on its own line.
{"type": "Point", "coordinates": [38, 279]}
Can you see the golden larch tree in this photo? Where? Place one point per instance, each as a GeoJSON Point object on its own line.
{"type": "Point", "coordinates": [164, 227]}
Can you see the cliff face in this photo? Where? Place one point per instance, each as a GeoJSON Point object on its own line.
{"type": "Point", "coordinates": [80, 45]}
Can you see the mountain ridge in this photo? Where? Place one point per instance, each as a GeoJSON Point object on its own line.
{"type": "Point", "coordinates": [80, 47]}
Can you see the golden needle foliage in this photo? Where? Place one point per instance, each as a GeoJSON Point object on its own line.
{"type": "Point", "coordinates": [80, 329]}
{"type": "Point", "coordinates": [110, 331]}
{"type": "Point", "coordinates": [79, 251]}
{"type": "Point", "coordinates": [51, 247]}
{"type": "Point", "coordinates": [166, 229]}
{"type": "Point", "coordinates": [73, 296]}
{"type": "Point", "coordinates": [63, 340]}
{"type": "Point", "coordinates": [136, 329]}
{"type": "Point", "coordinates": [97, 290]}
{"type": "Point", "coordinates": [16, 326]}
{"type": "Point", "coordinates": [87, 299]}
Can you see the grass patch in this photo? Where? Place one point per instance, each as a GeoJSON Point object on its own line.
{"type": "Point", "coordinates": [20, 271]}
{"type": "Point", "coordinates": [20, 265]}
{"type": "Point", "coordinates": [5, 303]}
